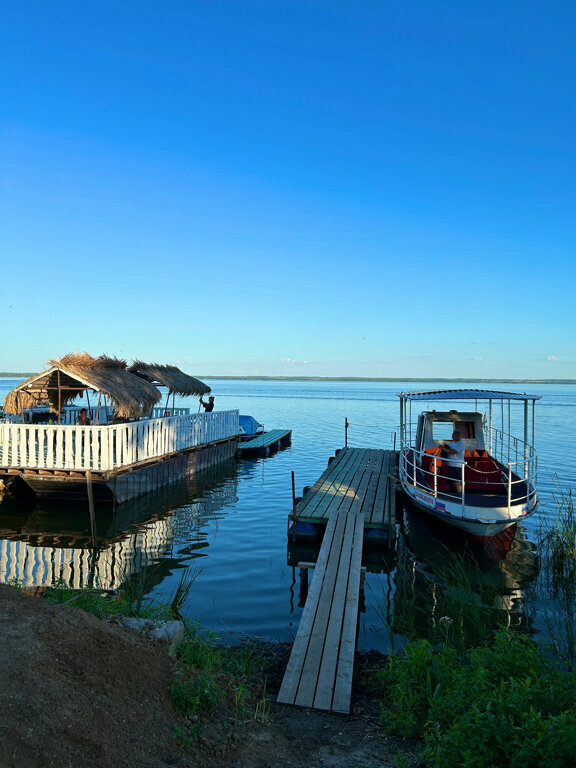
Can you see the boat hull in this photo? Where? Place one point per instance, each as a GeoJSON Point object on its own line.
{"type": "Point", "coordinates": [478, 520]}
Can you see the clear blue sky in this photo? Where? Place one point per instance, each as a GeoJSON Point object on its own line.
{"type": "Point", "coordinates": [295, 187]}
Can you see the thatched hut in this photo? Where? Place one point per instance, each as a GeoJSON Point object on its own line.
{"type": "Point", "coordinates": [176, 381]}
{"type": "Point", "coordinates": [132, 396]}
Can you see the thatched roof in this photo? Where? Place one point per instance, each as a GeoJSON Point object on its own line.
{"type": "Point", "coordinates": [72, 374]}
{"type": "Point", "coordinates": [169, 376]}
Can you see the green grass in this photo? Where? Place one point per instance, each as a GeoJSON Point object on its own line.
{"type": "Point", "coordinates": [557, 584]}
{"type": "Point", "coordinates": [129, 600]}
{"type": "Point", "coordinates": [212, 676]}
{"type": "Point", "coordinates": [501, 705]}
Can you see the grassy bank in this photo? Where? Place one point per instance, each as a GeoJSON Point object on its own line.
{"type": "Point", "coordinates": [480, 694]}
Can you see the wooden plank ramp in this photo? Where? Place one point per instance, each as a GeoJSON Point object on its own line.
{"type": "Point", "coordinates": [267, 440]}
{"type": "Point", "coordinates": [320, 669]}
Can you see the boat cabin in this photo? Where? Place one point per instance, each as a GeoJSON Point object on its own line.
{"type": "Point", "coordinates": [436, 427]}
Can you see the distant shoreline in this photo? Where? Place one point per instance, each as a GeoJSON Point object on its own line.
{"type": "Point", "coordinates": [356, 379]}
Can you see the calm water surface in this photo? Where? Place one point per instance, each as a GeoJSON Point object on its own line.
{"type": "Point", "coordinates": [230, 524]}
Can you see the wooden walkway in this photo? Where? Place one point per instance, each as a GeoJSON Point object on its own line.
{"type": "Point", "coordinates": [354, 490]}
{"type": "Point", "coordinates": [267, 441]}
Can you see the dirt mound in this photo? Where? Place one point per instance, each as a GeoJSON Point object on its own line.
{"type": "Point", "coordinates": [79, 691]}
{"type": "Point", "coordinates": [75, 690]}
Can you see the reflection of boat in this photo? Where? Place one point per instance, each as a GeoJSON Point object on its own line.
{"type": "Point", "coordinates": [495, 486]}
{"type": "Point", "coordinates": [437, 577]}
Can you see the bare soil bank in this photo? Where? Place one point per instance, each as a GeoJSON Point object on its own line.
{"type": "Point", "coordinates": [79, 691]}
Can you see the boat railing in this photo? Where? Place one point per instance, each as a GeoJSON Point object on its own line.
{"type": "Point", "coordinates": [106, 447]}
{"type": "Point", "coordinates": [517, 472]}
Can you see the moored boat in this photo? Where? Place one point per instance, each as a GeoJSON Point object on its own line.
{"type": "Point", "coordinates": [486, 481]}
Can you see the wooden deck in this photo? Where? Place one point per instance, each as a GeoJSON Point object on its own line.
{"type": "Point", "coordinates": [267, 441]}
{"type": "Point", "coordinates": [353, 471]}
{"type": "Point", "coordinates": [353, 491]}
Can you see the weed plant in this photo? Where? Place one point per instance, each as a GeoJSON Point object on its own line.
{"type": "Point", "coordinates": [129, 600]}
{"type": "Point", "coordinates": [557, 542]}
{"type": "Point", "coordinates": [209, 675]}
{"type": "Point", "coordinates": [501, 705]}
{"type": "Point", "coordinates": [450, 604]}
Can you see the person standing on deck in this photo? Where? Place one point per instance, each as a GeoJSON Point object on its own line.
{"type": "Point", "coordinates": [455, 460]}
{"type": "Point", "coordinates": [83, 419]}
{"type": "Point", "coordinates": [209, 406]}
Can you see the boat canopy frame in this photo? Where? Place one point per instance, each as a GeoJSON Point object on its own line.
{"type": "Point", "coordinates": [407, 398]}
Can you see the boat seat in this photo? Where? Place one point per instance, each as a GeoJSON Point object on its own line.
{"type": "Point", "coordinates": [482, 473]}
{"type": "Point", "coordinates": [432, 465]}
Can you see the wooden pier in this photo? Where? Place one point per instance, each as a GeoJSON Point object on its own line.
{"type": "Point", "coordinates": [354, 492]}
{"type": "Point", "coordinates": [266, 442]}
{"type": "Point", "coordinates": [351, 472]}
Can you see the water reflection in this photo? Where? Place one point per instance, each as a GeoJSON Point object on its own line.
{"type": "Point", "coordinates": [447, 581]}
{"type": "Point", "coordinates": [303, 556]}
{"type": "Point", "coordinates": [50, 543]}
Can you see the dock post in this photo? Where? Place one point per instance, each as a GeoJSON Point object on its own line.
{"type": "Point", "coordinates": [293, 507]}
{"type": "Point", "coordinates": [346, 424]}
{"type": "Point", "coordinates": [91, 506]}
{"type": "Point", "coordinates": [303, 587]}
{"type": "Point", "coordinates": [391, 503]}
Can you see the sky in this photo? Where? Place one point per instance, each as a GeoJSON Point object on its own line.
{"type": "Point", "coordinates": [290, 187]}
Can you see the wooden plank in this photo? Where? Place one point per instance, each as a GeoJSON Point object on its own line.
{"type": "Point", "coordinates": [326, 603]}
{"type": "Point", "coordinates": [317, 636]}
{"type": "Point", "coordinates": [289, 687]}
{"type": "Point", "coordinates": [326, 478]}
{"type": "Point", "coordinates": [341, 488]}
{"type": "Point", "coordinates": [379, 505]}
{"type": "Point", "coordinates": [350, 490]}
{"type": "Point", "coordinates": [331, 650]}
{"type": "Point", "coordinates": [336, 488]}
{"type": "Point", "coordinates": [345, 671]}
{"type": "Point", "coordinates": [375, 470]}
{"type": "Point", "coordinates": [353, 490]}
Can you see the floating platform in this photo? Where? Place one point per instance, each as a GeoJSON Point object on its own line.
{"type": "Point", "coordinates": [353, 471]}
{"type": "Point", "coordinates": [354, 495]}
{"type": "Point", "coordinates": [266, 442]}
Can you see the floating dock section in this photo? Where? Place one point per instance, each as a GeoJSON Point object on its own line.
{"type": "Point", "coordinates": [361, 473]}
{"type": "Point", "coordinates": [353, 496]}
{"type": "Point", "coordinates": [266, 442]}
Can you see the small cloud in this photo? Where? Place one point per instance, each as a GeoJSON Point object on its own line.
{"type": "Point", "coordinates": [551, 358]}
{"type": "Point", "coordinates": [477, 359]}
{"type": "Point", "coordinates": [290, 361]}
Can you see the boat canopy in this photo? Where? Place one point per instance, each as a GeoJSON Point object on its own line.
{"type": "Point", "coordinates": [466, 394]}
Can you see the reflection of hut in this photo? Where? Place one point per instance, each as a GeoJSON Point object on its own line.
{"type": "Point", "coordinates": [41, 550]}
{"type": "Point", "coordinates": [123, 459]}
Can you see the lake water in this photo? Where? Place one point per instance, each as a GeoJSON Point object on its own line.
{"type": "Point", "coordinates": [230, 524]}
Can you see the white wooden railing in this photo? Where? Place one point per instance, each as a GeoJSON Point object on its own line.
{"type": "Point", "coordinates": [101, 448]}
{"type": "Point", "coordinates": [157, 412]}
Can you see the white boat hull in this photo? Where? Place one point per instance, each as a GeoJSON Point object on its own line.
{"type": "Point", "coordinates": [479, 520]}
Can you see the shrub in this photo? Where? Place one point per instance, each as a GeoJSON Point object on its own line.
{"type": "Point", "coordinates": [503, 705]}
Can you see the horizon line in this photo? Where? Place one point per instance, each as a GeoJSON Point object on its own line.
{"type": "Point", "coordinates": [15, 374]}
